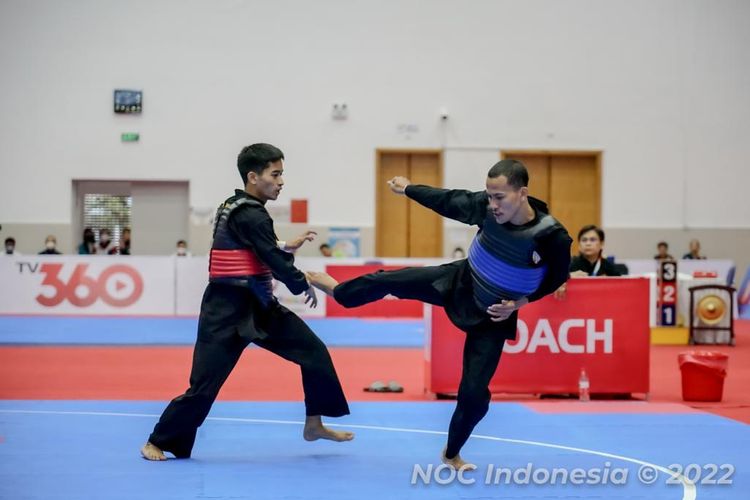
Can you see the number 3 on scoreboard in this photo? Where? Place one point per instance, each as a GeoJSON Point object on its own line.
{"type": "Point", "coordinates": [668, 271]}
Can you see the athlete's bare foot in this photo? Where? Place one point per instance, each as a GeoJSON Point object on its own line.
{"type": "Point", "coordinates": [322, 281]}
{"type": "Point", "coordinates": [314, 430]}
{"type": "Point", "coordinates": [456, 462]}
{"type": "Point", "coordinates": [152, 452]}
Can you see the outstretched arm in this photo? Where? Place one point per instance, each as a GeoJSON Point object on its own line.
{"type": "Point", "coordinates": [457, 204]}
{"type": "Point", "coordinates": [292, 245]}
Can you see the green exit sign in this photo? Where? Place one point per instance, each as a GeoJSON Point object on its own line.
{"type": "Point", "coordinates": [130, 137]}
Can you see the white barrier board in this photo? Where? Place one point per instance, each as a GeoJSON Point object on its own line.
{"type": "Point", "coordinates": [87, 285]}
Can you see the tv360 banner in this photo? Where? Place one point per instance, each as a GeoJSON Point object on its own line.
{"type": "Point", "coordinates": [601, 326]}
{"type": "Point", "coordinates": [90, 285]}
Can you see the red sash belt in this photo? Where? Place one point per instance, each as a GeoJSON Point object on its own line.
{"type": "Point", "coordinates": [233, 263]}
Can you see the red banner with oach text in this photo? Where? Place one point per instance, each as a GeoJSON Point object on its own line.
{"type": "Point", "coordinates": [601, 326]}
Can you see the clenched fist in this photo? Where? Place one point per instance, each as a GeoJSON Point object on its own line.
{"type": "Point", "coordinates": [398, 184]}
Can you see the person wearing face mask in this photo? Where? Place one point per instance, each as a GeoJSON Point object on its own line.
{"type": "Point", "coordinates": [10, 246]}
{"type": "Point", "coordinates": [182, 249]}
{"type": "Point", "coordinates": [88, 245]}
{"type": "Point", "coordinates": [50, 246]}
{"type": "Point", "coordinates": [105, 246]}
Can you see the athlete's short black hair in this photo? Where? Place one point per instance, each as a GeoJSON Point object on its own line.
{"type": "Point", "coordinates": [256, 157]}
{"type": "Point", "coordinates": [513, 170]}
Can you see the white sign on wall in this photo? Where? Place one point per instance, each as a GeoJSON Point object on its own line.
{"type": "Point", "coordinates": [91, 285]}
{"type": "Point", "coordinates": [191, 279]}
{"type": "Point", "coordinates": [101, 285]}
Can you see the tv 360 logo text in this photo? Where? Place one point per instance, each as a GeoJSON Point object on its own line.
{"type": "Point", "coordinates": [118, 285]}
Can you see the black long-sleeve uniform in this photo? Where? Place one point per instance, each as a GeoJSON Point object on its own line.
{"type": "Point", "coordinates": [605, 268]}
{"type": "Point", "coordinates": [452, 286]}
{"type": "Point", "coordinates": [231, 317]}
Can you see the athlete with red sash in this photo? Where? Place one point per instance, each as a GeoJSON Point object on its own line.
{"type": "Point", "coordinates": [238, 307]}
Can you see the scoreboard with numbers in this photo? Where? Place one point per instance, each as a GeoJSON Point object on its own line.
{"type": "Point", "coordinates": [667, 293]}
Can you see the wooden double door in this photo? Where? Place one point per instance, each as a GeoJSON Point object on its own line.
{"type": "Point", "coordinates": [403, 228]}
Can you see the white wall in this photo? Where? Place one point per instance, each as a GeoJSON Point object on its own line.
{"type": "Point", "coordinates": [660, 87]}
{"type": "Point", "coordinates": [159, 214]}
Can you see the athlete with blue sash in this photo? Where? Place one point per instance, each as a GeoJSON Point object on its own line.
{"type": "Point", "coordinates": [520, 254]}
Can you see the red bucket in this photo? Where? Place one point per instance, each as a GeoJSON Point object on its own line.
{"type": "Point", "coordinates": [703, 374]}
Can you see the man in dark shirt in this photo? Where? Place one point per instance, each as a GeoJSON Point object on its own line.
{"type": "Point", "coordinates": [124, 247]}
{"type": "Point", "coordinates": [239, 307]}
{"type": "Point", "coordinates": [663, 251]}
{"type": "Point", "coordinates": [50, 246]}
{"type": "Point", "coordinates": [695, 251]}
{"type": "Point", "coordinates": [88, 245]}
{"type": "Point", "coordinates": [519, 255]}
{"type": "Point", "coordinates": [590, 260]}
{"type": "Point", "coordinates": [10, 246]}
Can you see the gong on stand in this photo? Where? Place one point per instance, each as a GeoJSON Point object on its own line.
{"type": "Point", "coordinates": [711, 314]}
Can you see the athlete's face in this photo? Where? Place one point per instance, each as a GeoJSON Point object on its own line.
{"type": "Point", "coordinates": [505, 200]}
{"type": "Point", "coordinates": [268, 184]}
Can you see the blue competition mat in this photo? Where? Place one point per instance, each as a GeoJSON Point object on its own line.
{"type": "Point", "coordinates": [335, 332]}
{"type": "Point", "coordinates": [81, 450]}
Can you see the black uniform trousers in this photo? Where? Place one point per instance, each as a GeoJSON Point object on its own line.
{"type": "Point", "coordinates": [482, 347]}
{"type": "Point", "coordinates": [217, 352]}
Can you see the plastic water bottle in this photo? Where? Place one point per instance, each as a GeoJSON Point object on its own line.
{"type": "Point", "coordinates": [583, 386]}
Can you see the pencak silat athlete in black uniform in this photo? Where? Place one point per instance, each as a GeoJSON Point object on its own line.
{"type": "Point", "coordinates": [239, 307]}
{"type": "Point", "coordinates": [520, 254]}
